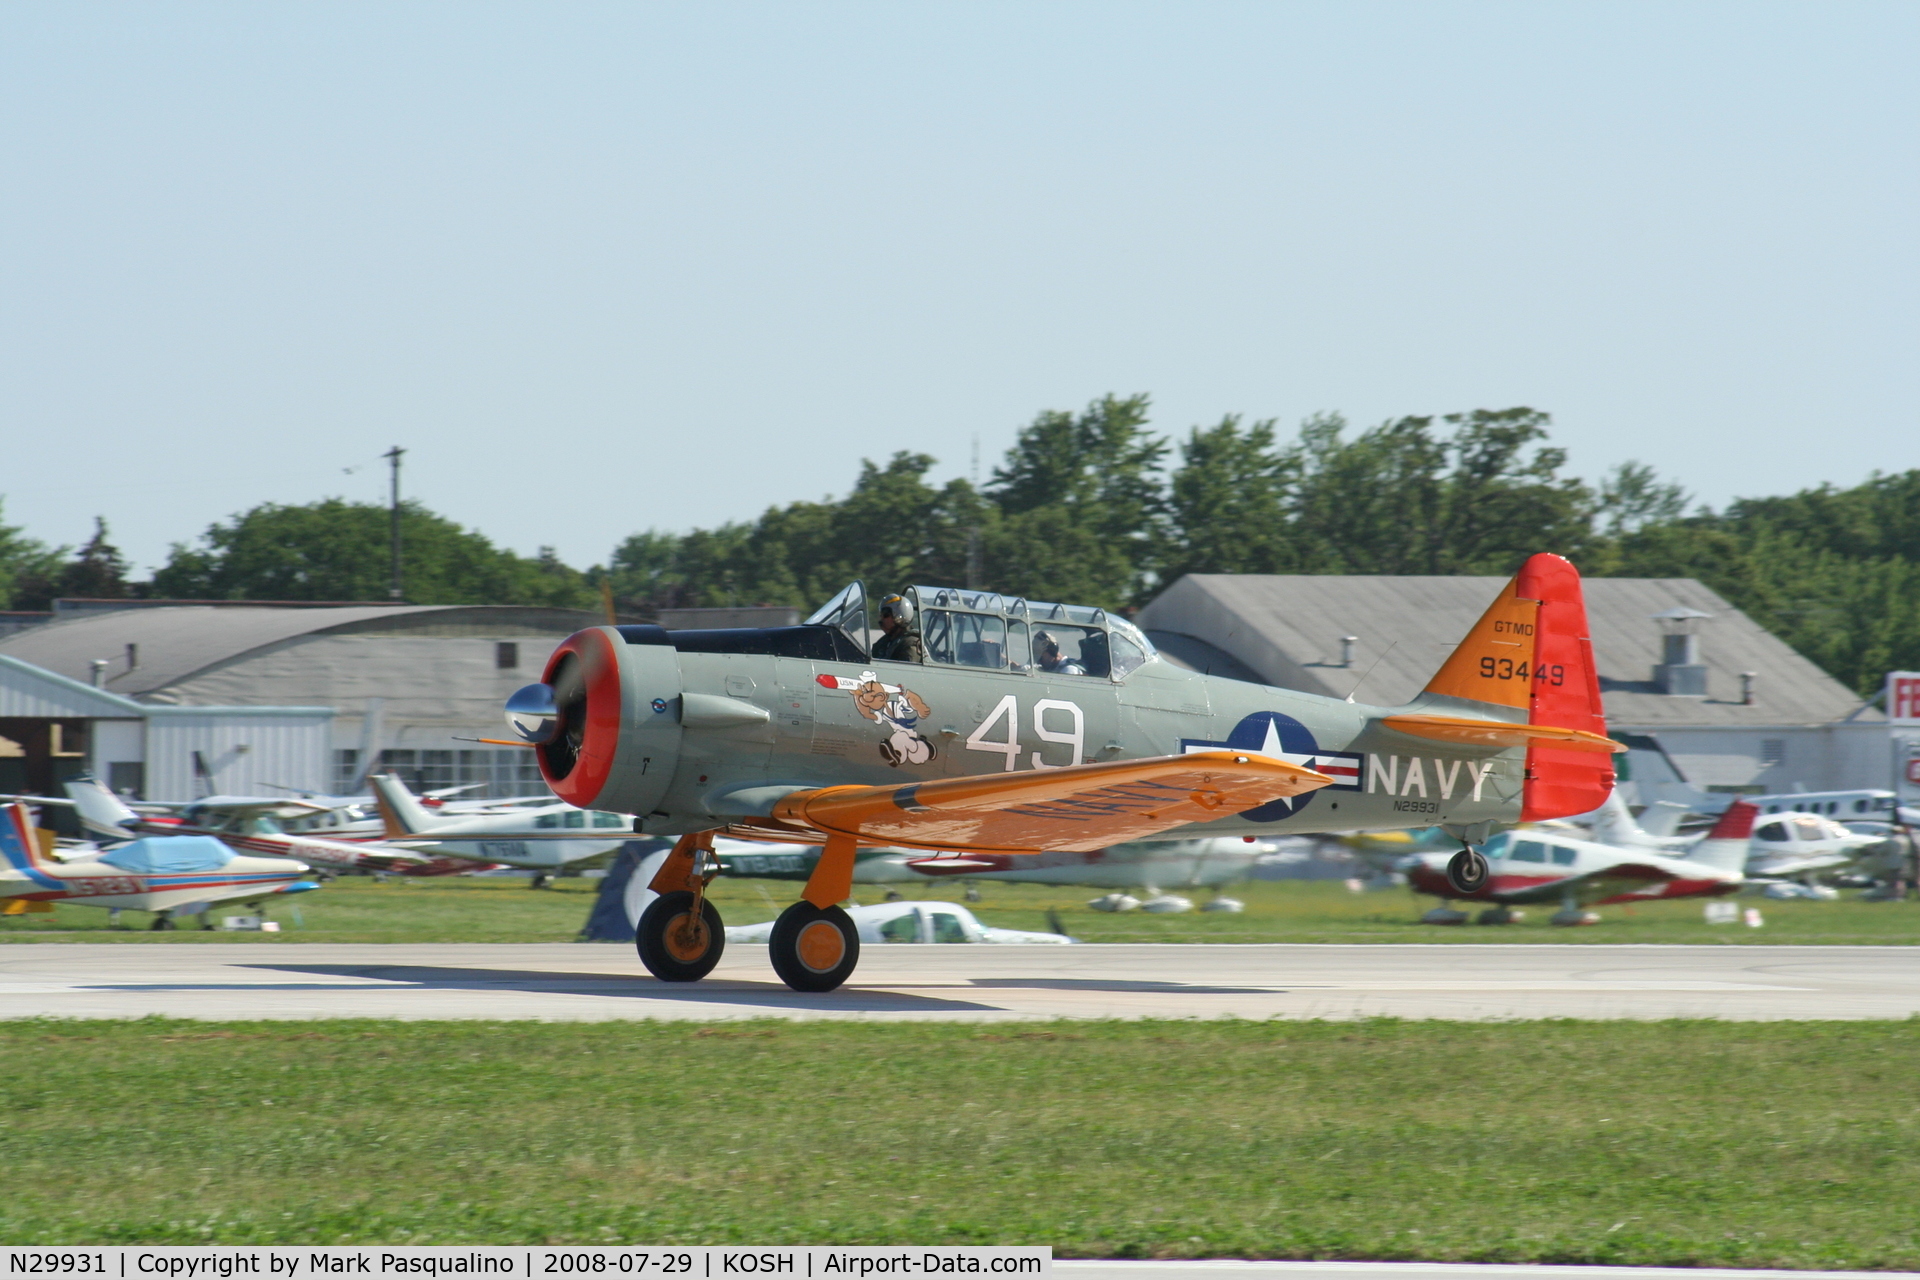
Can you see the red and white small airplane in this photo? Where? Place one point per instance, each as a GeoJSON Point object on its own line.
{"type": "Point", "coordinates": [1530, 866]}
{"type": "Point", "coordinates": [163, 874]}
{"type": "Point", "coordinates": [246, 824]}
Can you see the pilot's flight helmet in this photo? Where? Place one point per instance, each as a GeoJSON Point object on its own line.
{"type": "Point", "coordinates": [899, 607]}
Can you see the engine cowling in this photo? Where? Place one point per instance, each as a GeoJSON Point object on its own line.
{"type": "Point", "coordinates": [607, 727]}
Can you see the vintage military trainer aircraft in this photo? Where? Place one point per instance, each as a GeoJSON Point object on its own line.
{"type": "Point", "coordinates": [1034, 727]}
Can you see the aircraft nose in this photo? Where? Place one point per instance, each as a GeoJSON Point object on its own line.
{"type": "Point", "coordinates": [532, 714]}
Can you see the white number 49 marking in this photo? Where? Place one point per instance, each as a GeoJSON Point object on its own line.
{"type": "Point", "coordinates": [1008, 709]}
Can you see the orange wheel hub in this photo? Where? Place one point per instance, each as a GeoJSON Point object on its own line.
{"type": "Point", "coordinates": [686, 938]}
{"type": "Point", "coordinates": [820, 946]}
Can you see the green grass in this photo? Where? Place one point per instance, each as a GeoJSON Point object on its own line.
{"type": "Point", "coordinates": [463, 909]}
{"type": "Point", "coordinates": [1679, 1143]}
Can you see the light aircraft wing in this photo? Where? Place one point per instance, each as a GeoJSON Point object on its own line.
{"type": "Point", "coordinates": [1802, 864]}
{"type": "Point", "coordinates": [1080, 807]}
{"type": "Point", "coordinates": [1601, 884]}
{"type": "Point", "coordinates": [264, 806]}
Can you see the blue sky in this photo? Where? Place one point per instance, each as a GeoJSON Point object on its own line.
{"type": "Point", "coordinates": [602, 268]}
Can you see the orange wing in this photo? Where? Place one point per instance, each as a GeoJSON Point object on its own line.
{"type": "Point", "coordinates": [1082, 807]}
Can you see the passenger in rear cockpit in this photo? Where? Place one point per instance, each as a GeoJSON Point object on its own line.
{"type": "Point", "coordinates": [1047, 650]}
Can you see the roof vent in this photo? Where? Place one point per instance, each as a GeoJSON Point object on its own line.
{"type": "Point", "coordinates": [1682, 674]}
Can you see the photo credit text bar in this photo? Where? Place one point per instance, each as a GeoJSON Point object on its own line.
{"type": "Point", "coordinates": [520, 1262]}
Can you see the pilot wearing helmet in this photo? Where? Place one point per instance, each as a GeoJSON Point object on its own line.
{"type": "Point", "coordinates": [1047, 649]}
{"type": "Point", "coordinates": [901, 643]}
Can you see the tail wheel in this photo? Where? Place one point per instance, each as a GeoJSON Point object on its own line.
{"type": "Point", "coordinates": [678, 943]}
{"type": "Point", "coordinates": [1467, 872]}
{"type": "Point", "coordinates": [812, 949]}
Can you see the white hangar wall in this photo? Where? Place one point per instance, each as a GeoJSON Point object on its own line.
{"type": "Point", "coordinates": [246, 750]}
{"type": "Point", "coordinates": [150, 750]}
{"type": "Point", "coordinates": [415, 701]}
{"type": "Point", "coordinates": [407, 684]}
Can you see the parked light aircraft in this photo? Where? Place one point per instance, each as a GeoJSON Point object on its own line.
{"type": "Point", "coordinates": [1154, 865]}
{"type": "Point", "coordinates": [1800, 845]}
{"type": "Point", "coordinates": [994, 745]}
{"type": "Point", "coordinates": [247, 824]}
{"type": "Point", "coordinates": [913, 922]}
{"type": "Point", "coordinates": [1545, 866]}
{"type": "Point", "coordinates": [161, 874]}
{"type": "Point", "coordinates": [763, 860]}
{"type": "Point", "coordinates": [1846, 806]}
{"type": "Point", "coordinates": [545, 838]}
{"type": "Point", "coordinates": [1790, 846]}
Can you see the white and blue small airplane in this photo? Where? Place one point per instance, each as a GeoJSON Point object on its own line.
{"type": "Point", "coordinates": [161, 874]}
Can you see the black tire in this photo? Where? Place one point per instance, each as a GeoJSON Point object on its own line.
{"type": "Point", "coordinates": [161, 924]}
{"type": "Point", "coordinates": [805, 957]}
{"type": "Point", "coordinates": [666, 949]}
{"type": "Point", "coordinates": [1468, 872]}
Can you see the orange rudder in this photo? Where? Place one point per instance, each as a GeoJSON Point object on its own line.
{"type": "Point", "coordinates": [1566, 693]}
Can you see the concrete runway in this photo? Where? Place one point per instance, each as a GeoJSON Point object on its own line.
{"type": "Point", "coordinates": [566, 982]}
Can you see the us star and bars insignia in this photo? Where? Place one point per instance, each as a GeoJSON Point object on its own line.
{"type": "Point", "coordinates": [1281, 737]}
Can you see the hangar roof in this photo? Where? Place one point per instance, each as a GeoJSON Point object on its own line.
{"type": "Point", "coordinates": [1287, 630]}
{"type": "Point", "coordinates": [178, 642]}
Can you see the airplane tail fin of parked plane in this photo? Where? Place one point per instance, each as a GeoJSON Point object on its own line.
{"type": "Point", "coordinates": [1531, 651]}
{"type": "Point", "coordinates": [101, 812]}
{"type": "Point", "coordinates": [399, 809]}
{"type": "Point", "coordinates": [1614, 824]}
{"type": "Point", "coordinates": [19, 843]}
{"type": "Point", "coordinates": [1725, 848]}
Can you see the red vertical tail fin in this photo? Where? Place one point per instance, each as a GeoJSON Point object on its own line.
{"type": "Point", "coordinates": [1565, 693]}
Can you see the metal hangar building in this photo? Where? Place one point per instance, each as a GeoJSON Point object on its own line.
{"type": "Point", "coordinates": [175, 701]}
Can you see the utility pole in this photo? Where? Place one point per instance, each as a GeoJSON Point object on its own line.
{"type": "Point", "coordinates": [973, 531]}
{"type": "Point", "coordinates": [393, 457]}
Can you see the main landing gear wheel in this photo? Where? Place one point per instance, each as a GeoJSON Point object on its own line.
{"type": "Point", "coordinates": [676, 943]}
{"type": "Point", "coordinates": [1467, 872]}
{"type": "Point", "coordinates": [812, 949]}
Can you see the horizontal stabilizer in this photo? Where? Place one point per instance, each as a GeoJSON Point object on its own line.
{"type": "Point", "coordinates": [1495, 733]}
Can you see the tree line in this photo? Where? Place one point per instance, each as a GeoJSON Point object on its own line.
{"type": "Point", "coordinates": [1094, 507]}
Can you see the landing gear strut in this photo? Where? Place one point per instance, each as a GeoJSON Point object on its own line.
{"type": "Point", "coordinates": [814, 945]}
{"type": "Point", "coordinates": [1467, 871]}
{"type": "Point", "coordinates": [680, 936]}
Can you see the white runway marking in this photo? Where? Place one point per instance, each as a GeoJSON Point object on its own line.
{"type": "Point", "coordinates": [964, 983]}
